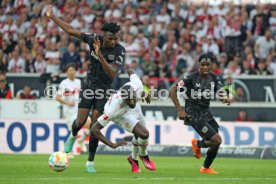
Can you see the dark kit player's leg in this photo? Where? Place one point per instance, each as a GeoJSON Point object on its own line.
{"type": "Point", "coordinates": [211, 140]}
{"type": "Point", "coordinates": [93, 142]}
{"type": "Point", "coordinates": [76, 126]}
{"type": "Point", "coordinates": [98, 108]}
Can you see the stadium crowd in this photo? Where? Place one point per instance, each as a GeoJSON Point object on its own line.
{"type": "Point", "coordinates": [162, 38]}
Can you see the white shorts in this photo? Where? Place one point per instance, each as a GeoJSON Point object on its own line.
{"type": "Point", "coordinates": [127, 120]}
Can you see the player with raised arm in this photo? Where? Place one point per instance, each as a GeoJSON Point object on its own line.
{"type": "Point", "coordinates": [68, 95]}
{"type": "Point", "coordinates": [106, 58]}
{"type": "Point", "coordinates": [199, 88]}
{"type": "Point", "coordinates": [122, 108]}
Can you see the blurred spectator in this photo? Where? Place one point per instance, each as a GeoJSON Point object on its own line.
{"type": "Point", "coordinates": [210, 46]}
{"type": "Point", "coordinates": [5, 91]}
{"type": "Point", "coordinates": [148, 66]}
{"type": "Point", "coordinates": [40, 64]}
{"type": "Point", "coordinates": [240, 96]}
{"type": "Point", "coordinates": [262, 68]}
{"type": "Point", "coordinates": [17, 63]}
{"type": "Point", "coordinates": [264, 45]}
{"type": "Point", "coordinates": [52, 57]}
{"type": "Point", "coordinates": [246, 68]}
{"type": "Point", "coordinates": [233, 68]}
{"type": "Point", "coordinates": [71, 56]}
{"type": "Point", "coordinates": [3, 62]}
{"type": "Point", "coordinates": [26, 94]}
{"type": "Point", "coordinates": [135, 66]}
{"type": "Point", "coordinates": [243, 116]}
{"type": "Point", "coordinates": [184, 62]}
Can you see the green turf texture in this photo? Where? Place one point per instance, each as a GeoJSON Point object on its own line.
{"type": "Point", "coordinates": [31, 169]}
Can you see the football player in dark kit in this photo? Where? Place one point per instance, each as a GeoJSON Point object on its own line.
{"type": "Point", "coordinates": [106, 58]}
{"type": "Point", "coordinates": [199, 88]}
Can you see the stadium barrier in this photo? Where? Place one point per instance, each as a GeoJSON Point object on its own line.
{"type": "Point", "coordinates": [254, 140]}
{"type": "Point", "coordinates": [158, 110]}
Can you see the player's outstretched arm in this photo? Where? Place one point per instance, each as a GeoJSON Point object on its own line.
{"type": "Point", "coordinates": [173, 95]}
{"type": "Point", "coordinates": [65, 26]}
{"type": "Point", "coordinates": [130, 72]}
{"type": "Point", "coordinates": [96, 131]}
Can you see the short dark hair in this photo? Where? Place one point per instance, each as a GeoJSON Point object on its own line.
{"type": "Point", "coordinates": [111, 27]}
{"type": "Point", "coordinates": [70, 65]}
{"type": "Point", "coordinates": [205, 56]}
{"type": "Point", "coordinates": [127, 92]}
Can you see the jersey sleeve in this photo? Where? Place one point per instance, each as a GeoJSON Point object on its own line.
{"type": "Point", "coordinates": [137, 84]}
{"type": "Point", "coordinates": [103, 119]}
{"type": "Point", "coordinates": [120, 57]}
{"type": "Point", "coordinates": [61, 89]}
{"type": "Point", "coordinates": [218, 84]}
{"type": "Point", "coordinates": [185, 82]}
{"type": "Point", "coordinates": [88, 38]}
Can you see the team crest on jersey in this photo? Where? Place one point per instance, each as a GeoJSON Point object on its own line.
{"type": "Point", "coordinates": [205, 129]}
{"type": "Point", "coordinates": [110, 56]}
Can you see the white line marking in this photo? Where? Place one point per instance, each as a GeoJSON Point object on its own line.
{"type": "Point", "coordinates": [85, 178]}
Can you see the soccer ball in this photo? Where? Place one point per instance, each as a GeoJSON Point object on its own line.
{"type": "Point", "coordinates": [58, 161]}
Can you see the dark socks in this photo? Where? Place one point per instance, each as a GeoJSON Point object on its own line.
{"type": "Point", "coordinates": [93, 144]}
{"type": "Point", "coordinates": [201, 144]}
{"type": "Point", "coordinates": [211, 155]}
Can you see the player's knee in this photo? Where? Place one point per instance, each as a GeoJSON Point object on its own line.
{"type": "Point", "coordinates": [218, 141]}
{"type": "Point", "coordinates": [145, 134]}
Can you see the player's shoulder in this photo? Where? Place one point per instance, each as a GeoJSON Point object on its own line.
{"type": "Point", "coordinates": [213, 76]}
{"type": "Point", "coordinates": [119, 49]}
{"type": "Point", "coordinates": [192, 76]}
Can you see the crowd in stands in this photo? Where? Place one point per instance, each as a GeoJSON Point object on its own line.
{"type": "Point", "coordinates": [162, 38]}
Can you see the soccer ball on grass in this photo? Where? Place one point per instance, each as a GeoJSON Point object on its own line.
{"type": "Point", "coordinates": [58, 161]}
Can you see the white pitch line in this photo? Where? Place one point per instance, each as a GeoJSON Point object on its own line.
{"type": "Point", "coordinates": [85, 178]}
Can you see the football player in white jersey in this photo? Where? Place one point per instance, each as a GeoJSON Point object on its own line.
{"type": "Point", "coordinates": [68, 95]}
{"type": "Point", "coordinates": [122, 109]}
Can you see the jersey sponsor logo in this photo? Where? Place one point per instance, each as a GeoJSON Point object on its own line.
{"type": "Point", "coordinates": [121, 59]}
{"type": "Point", "coordinates": [204, 129]}
{"type": "Point", "coordinates": [198, 85]}
{"type": "Point", "coordinates": [71, 92]}
{"type": "Point", "coordinates": [94, 55]}
{"type": "Point", "coordinates": [110, 56]}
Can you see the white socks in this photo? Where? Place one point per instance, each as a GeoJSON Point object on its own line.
{"type": "Point", "coordinates": [143, 144]}
{"type": "Point", "coordinates": [135, 148]}
{"type": "Point", "coordinates": [89, 163]}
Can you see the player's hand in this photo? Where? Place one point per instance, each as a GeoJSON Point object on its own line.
{"type": "Point", "coordinates": [147, 99]}
{"type": "Point", "coordinates": [70, 104]}
{"type": "Point", "coordinates": [120, 143]}
{"type": "Point", "coordinates": [49, 11]}
{"type": "Point", "coordinates": [97, 46]}
{"type": "Point", "coordinates": [182, 115]}
{"type": "Point", "coordinates": [226, 101]}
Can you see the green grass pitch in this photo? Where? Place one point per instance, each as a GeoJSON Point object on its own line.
{"type": "Point", "coordinates": [32, 169]}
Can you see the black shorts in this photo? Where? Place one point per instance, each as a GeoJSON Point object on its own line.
{"type": "Point", "coordinates": [206, 129]}
{"type": "Point", "coordinates": [89, 99]}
